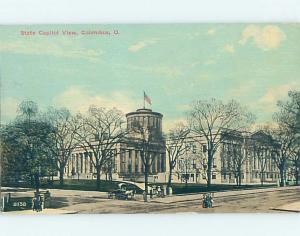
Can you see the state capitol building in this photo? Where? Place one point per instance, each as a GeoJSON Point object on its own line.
{"type": "Point", "coordinates": [126, 160]}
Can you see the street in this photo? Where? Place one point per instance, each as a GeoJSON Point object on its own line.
{"type": "Point", "coordinates": [244, 201]}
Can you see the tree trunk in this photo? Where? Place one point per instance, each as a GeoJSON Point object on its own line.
{"type": "Point", "coordinates": [146, 182]}
{"type": "Point", "coordinates": [98, 170]}
{"type": "Point", "coordinates": [37, 182]}
{"type": "Point", "coordinates": [170, 177]}
{"type": "Point", "coordinates": [32, 180]}
{"type": "Point", "coordinates": [110, 174]}
{"type": "Point", "coordinates": [61, 176]}
{"type": "Point", "coordinates": [281, 171]}
{"type": "Point", "coordinates": [262, 178]}
{"type": "Point", "coordinates": [297, 177]}
{"type": "Point", "coordinates": [240, 176]}
{"type": "Point", "coordinates": [209, 168]}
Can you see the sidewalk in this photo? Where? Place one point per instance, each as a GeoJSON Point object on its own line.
{"type": "Point", "coordinates": [198, 196]}
{"type": "Point", "coordinates": [292, 207]}
{"type": "Point", "coordinates": [44, 212]}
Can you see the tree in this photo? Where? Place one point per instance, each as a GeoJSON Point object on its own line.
{"type": "Point", "coordinates": [283, 145]}
{"type": "Point", "coordinates": [235, 153]}
{"type": "Point", "coordinates": [288, 121]}
{"type": "Point", "coordinates": [295, 159]}
{"type": "Point", "coordinates": [13, 163]}
{"type": "Point", "coordinates": [211, 118]}
{"type": "Point", "coordinates": [289, 114]}
{"type": "Point", "coordinates": [263, 149]}
{"type": "Point", "coordinates": [25, 142]}
{"type": "Point", "coordinates": [176, 146]}
{"type": "Point", "coordinates": [147, 142]}
{"type": "Point", "coordinates": [99, 131]}
{"type": "Point", "coordinates": [64, 139]}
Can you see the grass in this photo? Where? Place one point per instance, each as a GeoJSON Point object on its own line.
{"type": "Point", "coordinates": [181, 188]}
{"type": "Point", "coordinates": [107, 186]}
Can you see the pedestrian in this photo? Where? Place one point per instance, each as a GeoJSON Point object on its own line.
{"type": "Point", "coordinates": [209, 200]}
{"type": "Point", "coordinates": [204, 202]}
{"type": "Point", "coordinates": [158, 191]}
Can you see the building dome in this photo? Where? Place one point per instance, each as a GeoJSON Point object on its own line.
{"type": "Point", "coordinates": [147, 119]}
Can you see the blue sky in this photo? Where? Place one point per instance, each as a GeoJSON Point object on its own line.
{"type": "Point", "coordinates": [256, 64]}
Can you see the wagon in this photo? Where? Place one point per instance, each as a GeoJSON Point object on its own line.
{"type": "Point", "coordinates": [122, 193]}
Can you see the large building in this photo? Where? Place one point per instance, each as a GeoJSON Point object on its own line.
{"type": "Point", "coordinates": [253, 151]}
{"type": "Point", "coordinates": [243, 156]}
{"type": "Point", "coordinates": [127, 162]}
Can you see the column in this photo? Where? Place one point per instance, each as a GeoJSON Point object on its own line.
{"type": "Point", "coordinates": [159, 163]}
{"type": "Point", "coordinates": [77, 163]}
{"type": "Point", "coordinates": [81, 163]}
{"type": "Point", "coordinates": [133, 160]}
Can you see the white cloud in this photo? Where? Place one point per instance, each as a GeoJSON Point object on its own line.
{"type": "Point", "coordinates": [242, 89]}
{"type": "Point", "coordinates": [211, 32]}
{"type": "Point", "coordinates": [140, 45]}
{"type": "Point", "coordinates": [169, 124]}
{"type": "Point", "coordinates": [78, 99]}
{"type": "Point", "coordinates": [229, 48]}
{"type": "Point", "coordinates": [267, 37]}
{"type": "Point", "coordinates": [268, 102]}
{"type": "Point", "coordinates": [49, 48]}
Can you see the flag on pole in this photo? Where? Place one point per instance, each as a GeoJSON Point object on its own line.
{"type": "Point", "coordinates": [147, 99]}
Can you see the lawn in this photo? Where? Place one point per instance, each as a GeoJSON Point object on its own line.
{"type": "Point", "coordinates": [181, 188]}
{"type": "Point", "coordinates": [106, 186]}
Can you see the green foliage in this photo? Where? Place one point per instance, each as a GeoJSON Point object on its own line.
{"type": "Point", "coordinates": [24, 145]}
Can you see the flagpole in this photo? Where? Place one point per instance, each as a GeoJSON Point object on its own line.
{"type": "Point", "coordinates": [144, 99]}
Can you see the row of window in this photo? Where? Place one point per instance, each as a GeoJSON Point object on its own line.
{"type": "Point", "coordinates": [145, 121]}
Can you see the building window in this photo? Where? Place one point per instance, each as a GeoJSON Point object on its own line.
{"type": "Point", "coordinates": [193, 177]}
{"type": "Point", "coordinates": [204, 148]}
{"type": "Point", "coordinates": [151, 121]}
{"type": "Point", "coordinates": [214, 164]}
{"type": "Point", "coordinates": [214, 176]}
{"type": "Point", "coordinates": [194, 149]}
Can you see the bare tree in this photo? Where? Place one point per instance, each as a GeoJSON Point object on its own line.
{"type": "Point", "coordinates": [64, 139]}
{"type": "Point", "coordinates": [236, 155]}
{"type": "Point", "coordinates": [100, 130]}
{"type": "Point", "coordinates": [288, 121]}
{"type": "Point", "coordinates": [211, 118]}
{"type": "Point", "coordinates": [283, 149]}
{"type": "Point", "coordinates": [176, 146]}
{"type": "Point", "coordinates": [147, 136]}
{"type": "Point", "coordinates": [295, 159]}
{"type": "Point", "coordinates": [289, 114]}
{"type": "Point", "coordinates": [263, 149]}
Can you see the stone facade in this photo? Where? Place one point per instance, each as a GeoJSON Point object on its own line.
{"type": "Point", "coordinates": [126, 161]}
{"type": "Point", "coordinates": [254, 152]}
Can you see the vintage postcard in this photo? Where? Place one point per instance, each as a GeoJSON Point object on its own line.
{"type": "Point", "coordinates": [150, 118]}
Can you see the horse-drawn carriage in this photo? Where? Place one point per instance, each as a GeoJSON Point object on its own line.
{"type": "Point", "coordinates": [124, 192]}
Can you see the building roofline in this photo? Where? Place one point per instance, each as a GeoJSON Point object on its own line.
{"type": "Point", "coordinates": [144, 111]}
